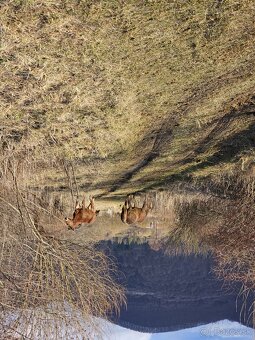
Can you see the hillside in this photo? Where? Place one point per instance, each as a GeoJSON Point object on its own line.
{"type": "Point", "coordinates": [125, 96]}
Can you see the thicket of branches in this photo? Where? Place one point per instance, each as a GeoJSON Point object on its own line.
{"type": "Point", "coordinates": [49, 288]}
{"type": "Point", "coordinates": [229, 219]}
{"type": "Point", "coordinates": [233, 243]}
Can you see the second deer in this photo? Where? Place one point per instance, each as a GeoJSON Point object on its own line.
{"type": "Point", "coordinates": [132, 214]}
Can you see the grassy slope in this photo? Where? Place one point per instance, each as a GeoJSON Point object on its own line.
{"type": "Point", "coordinates": [133, 93]}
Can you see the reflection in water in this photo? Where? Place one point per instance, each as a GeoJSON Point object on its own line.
{"type": "Point", "coordinates": [171, 292]}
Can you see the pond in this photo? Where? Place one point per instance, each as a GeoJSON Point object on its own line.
{"type": "Point", "coordinates": [166, 293]}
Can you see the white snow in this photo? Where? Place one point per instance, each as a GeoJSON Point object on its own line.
{"type": "Point", "coordinates": [220, 330]}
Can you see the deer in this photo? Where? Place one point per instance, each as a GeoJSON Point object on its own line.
{"type": "Point", "coordinates": [82, 214]}
{"type": "Point", "coordinates": [132, 214]}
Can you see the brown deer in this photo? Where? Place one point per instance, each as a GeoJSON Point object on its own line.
{"type": "Point", "coordinates": [132, 214]}
{"type": "Point", "coordinates": [83, 214]}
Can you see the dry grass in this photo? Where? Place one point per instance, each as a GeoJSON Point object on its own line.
{"type": "Point", "coordinates": [194, 217]}
{"type": "Point", "coordinates": [234, 243]}
{"type": "Point", "coordinates": [107, 83]}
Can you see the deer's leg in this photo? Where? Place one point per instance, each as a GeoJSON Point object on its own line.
{"type": "Point", "coordinates": [135, 203]}
{"type": "Point", "coordinates": [145, 202]}
{"type": "Point", "coordinates": [129, 201]}
{"type": "Point", "coordinates": [77, 205]}
{"type": "Point", "coordinates": [124, 212]}
{"type": "Point", "coordinates": [92, 203]}
{"type": "Point", "coordinates": [83, 203]}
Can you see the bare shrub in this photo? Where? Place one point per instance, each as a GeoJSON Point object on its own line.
{"type": "Point", "coordinates": [195, 218]}
{"type": "Point", "coordinates": [234, 242]}
{"type": "Point", "coordinates": [231, 237]}
{"type": "Point", "coordinates": [49, 286]}
{"type": "Point", "coordinates": [70, 283]}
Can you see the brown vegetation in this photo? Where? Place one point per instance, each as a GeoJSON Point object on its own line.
{"type": "Point", "coordinates": [233, 242]}
{"type": "Point", "coordinates": [221, 223]}
{"type": "Point", "coordinates": [48, 286]}
{"type": "Point", "coordinates": [131, 93]}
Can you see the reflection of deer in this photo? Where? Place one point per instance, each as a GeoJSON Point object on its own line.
{"type": "Point", "coordinates": [132, 214]}
{"type": "Point", "coordinates": [83, 214]}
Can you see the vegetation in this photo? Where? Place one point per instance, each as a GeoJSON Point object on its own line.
{"type": "Point", "coordinates": [186, 236]}
{"type": "Point", "coordinates": [49, 287]}
{"type": "Point", "coordinates": [159, 88]}
{"type": "Point", "coordinates": [115, 97]}
{"type": "Point", "coordinates": [221, 223]}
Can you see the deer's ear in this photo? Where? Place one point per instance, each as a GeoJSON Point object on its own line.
{"type": "Point", "coordinates": [77, 205]}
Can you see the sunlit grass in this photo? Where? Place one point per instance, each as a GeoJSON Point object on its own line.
{"type": "Point", "coordinates": [96, 83]}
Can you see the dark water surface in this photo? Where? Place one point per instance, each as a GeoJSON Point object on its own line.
{"type": "Point", "coordinates": [171, 292]}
